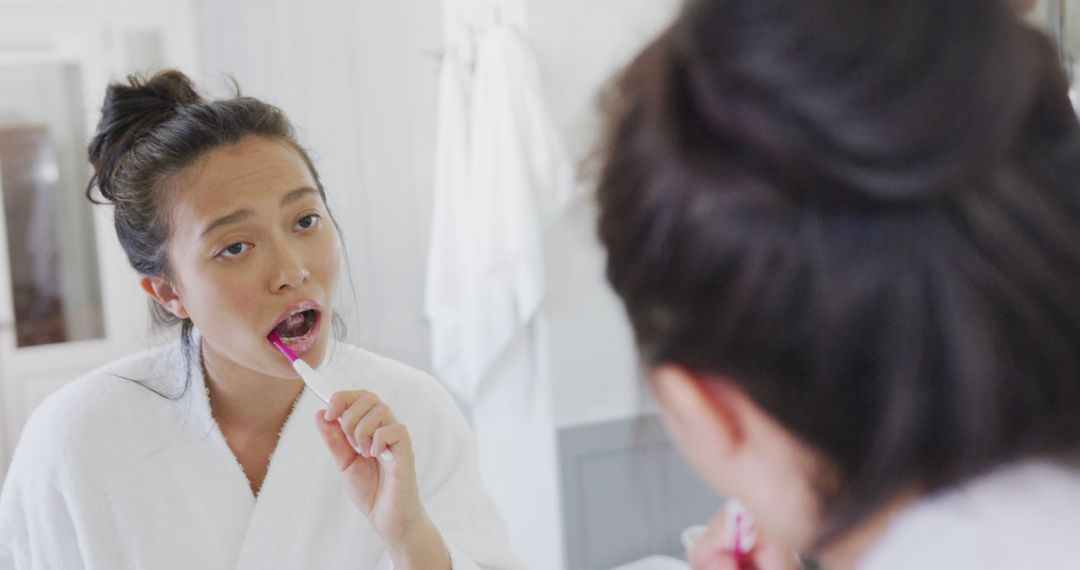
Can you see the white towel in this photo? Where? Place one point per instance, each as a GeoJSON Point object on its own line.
{"type": "Point", "coordinates": [444, 292]}
{"type": "Point", "coordinates": [501, 173]}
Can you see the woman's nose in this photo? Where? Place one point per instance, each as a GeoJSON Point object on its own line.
{"type": "Point", "coordinates": [290, 271]}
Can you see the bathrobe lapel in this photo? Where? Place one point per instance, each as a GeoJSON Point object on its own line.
{"type": "Point", "coordinates": [303, 516]}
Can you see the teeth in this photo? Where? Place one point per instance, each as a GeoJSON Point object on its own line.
{"type": "Point", "coordinates": [292, 326]}
{"type": "Point", "coordinates": [292, 321]}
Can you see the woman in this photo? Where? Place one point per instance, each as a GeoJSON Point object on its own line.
{"type": "Point", "coordinates": [205, 453]}
{"type": "Point", "coordinates": [847, 235]}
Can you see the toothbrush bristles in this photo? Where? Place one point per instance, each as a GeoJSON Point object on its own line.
{"type": "Point", "coordinates": [275, 340]}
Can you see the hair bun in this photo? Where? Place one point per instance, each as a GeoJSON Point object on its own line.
{"type": "Point", "coordinates": [131, 110]}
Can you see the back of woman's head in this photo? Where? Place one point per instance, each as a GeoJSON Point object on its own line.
{"type": "Point", "coordinates": [867, 216]}
{"type": "Point", "coordinates": [150, 131]}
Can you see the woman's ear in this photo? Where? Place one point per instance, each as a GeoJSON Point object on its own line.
{"type": "Point", "coordinates": [165, 294]}
{"type": "Point", "coordinates": [706, 418]}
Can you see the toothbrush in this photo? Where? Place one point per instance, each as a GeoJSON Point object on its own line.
{"type": "Point", "coordinates": [743, 531]}
{"type": "Point", "coordinates": [312, 379]}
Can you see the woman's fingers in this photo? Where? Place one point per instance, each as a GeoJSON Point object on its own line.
{"type": "Point", "coordinates": [715, 549]}
{"type": "Point", "coordinates": [709, 549]}
{"type": "Point", "coordinates": [771, 556]}
{"type": "Point", "coordinates": [717, 560]}
{"type": "Point", "coordinates": [364, 429]}
{"type": "Point", "coordinates": [350, 405]}
{"type": "Point", "coordinates": [390, 438]}
{"type": "Point", "coordinates": [340, 449]}
{"type": "Point", "coordinates": [360, 413]}
{"type": "Point", "coordinates": [710, 555]}
{"type": "Point", "coordinates": [338, 403]}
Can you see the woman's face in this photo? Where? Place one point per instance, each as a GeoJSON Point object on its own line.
{"type": "Point", "coordinates": [252, 250]}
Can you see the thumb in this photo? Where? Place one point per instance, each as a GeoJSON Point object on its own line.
{"type": "Point", "coordinates": [711, 554]}
{"type": "Point", "coordinates": [714, 560]}
{"type": "Point", "coordinates": [344, 455]}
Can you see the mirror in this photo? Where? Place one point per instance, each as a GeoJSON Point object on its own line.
{"type": "Point", "coordinates": [52, 258]}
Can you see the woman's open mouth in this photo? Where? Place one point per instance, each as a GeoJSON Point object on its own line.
{"type": "Point", "coordinates": [300, 330]}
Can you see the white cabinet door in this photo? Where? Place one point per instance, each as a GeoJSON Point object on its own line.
{"type": "Point", "coordinates": [69, 302]}
{"type": "Point", "coordinates": [52, 309]}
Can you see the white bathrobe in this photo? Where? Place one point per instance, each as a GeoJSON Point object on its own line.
{"type": "Point", "coordinates": [1021, 517]}
{"type": "Point", "coordinates": [109, 475]}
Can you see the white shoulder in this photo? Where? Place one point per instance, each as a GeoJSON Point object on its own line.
{"type": "Point", "coordinates": [104, 399]}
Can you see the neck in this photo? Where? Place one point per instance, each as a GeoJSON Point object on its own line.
{"type": "Point", "coordinates": [243, 399]}
{"type": "Point", "coordinates": [848, 551]}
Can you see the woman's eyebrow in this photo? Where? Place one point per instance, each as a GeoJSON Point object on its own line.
{"type": "Point", "coordinates": [241, 214]}
{"type": "Point", "coordinates": [227, 219]}
{"type": "Point", "coordinates": [297, 194]}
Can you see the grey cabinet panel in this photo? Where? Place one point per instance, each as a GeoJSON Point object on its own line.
{"type": "Point", "coordinates": [621, 519]}
{"type": "Point", "coordinates": [687, 500]}
{"type": "Point", "coordinates": [626, 493]}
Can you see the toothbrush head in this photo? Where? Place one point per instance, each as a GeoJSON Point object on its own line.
{"type": "Point", "coordinates": [741, 530]}
{"type": "Point", "coordinates": [279, 344]}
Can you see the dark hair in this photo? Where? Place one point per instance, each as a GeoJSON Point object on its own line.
{"type": "Point", "coordinates": [151, 130]}
{"type": "Point", "coordinates": [867, 216]}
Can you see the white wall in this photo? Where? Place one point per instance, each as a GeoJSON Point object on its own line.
{"type": "Point", "coordinates": [580, 45]}
{"type": "Point", "coordinates": [359, 79]}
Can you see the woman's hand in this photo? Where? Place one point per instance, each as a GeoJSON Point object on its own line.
{"type": "Point", "coordinates": [357, 427]}
{"type": "Point", "coordinates": [713, 551]}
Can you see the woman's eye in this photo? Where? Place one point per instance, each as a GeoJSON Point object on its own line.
{"type": "Point", "coordinates": [235, 249]}
{"type": "Point", "coordinates": [307, 222]}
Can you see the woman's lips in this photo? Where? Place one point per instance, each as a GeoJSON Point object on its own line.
{"type": "Point", "coordinates": [299, 307]}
